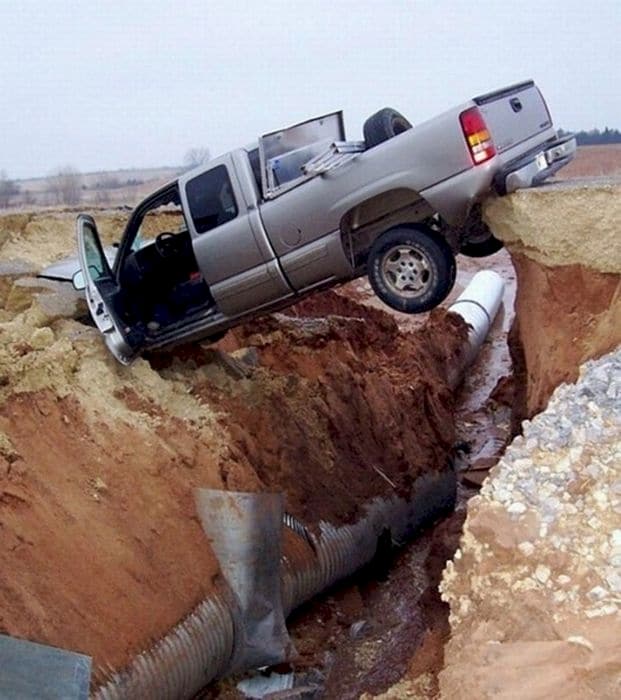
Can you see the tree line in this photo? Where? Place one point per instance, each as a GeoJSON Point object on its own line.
{"type": "Point", "coordinates": [66, 187]}
{"type": "Point", "coordinates": [8, 189]}
{"type": "Point", "coordinates": [595, 137]}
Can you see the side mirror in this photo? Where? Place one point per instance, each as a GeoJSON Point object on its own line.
{"type": "Point", "coordinates": [78, 281]}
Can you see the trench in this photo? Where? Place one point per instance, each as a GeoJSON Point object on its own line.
{"type": "Point", "coordinates": [59, 403]}
{"type": "Point", "coordinates": [387, 621]}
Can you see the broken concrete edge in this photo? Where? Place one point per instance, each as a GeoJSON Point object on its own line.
{"type": "Point", "coordinates": [566, 223]}
{"type": "Point", "coordinates": [32, 670]}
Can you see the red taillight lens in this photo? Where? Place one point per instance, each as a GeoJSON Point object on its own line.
{"type": "Point", "coordinates": [477, 136]}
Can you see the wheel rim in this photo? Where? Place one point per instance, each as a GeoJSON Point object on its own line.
{"type": "Point", "coordinates": [407, 271]}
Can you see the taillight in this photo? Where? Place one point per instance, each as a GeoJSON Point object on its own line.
{"type": "Point", "coordinates": [477, 136]}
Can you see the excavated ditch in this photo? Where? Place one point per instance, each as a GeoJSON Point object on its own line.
{"type": "Point", "coordinates": [332, 403]}
{"type": "Point", "coordinates": [389, 623]}
{"type": "Point", "coordinates": [104, 551]}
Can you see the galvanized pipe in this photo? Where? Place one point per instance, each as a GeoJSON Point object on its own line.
{"type": "Point", "coordinates": [188, 658]}
{"type": "Point", "coordinates": [201, 648]}
{"type": "Point", "coordinates": [341, 551]}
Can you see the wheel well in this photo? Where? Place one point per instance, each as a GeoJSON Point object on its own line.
{"type": "Point", "coordinates": [361, 225]}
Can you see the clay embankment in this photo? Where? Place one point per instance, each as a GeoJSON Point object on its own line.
{"type": "Point", "coordinates": [535, 588]}
{"type": "Point", "coordinates": [565, 245]}
{"type": "Point", "coordinates": [102, 551]}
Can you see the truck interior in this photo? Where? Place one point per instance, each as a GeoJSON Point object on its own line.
{"type": "Point", "coordinates": [158, 275]}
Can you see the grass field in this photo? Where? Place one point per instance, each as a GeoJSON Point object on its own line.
{"type": "Point", "coordinates": [115, 187]}
{"type": "Point", "coordinates": [591, 161]}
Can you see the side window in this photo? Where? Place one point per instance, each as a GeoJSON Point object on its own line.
{"type": "Point", "coordinates": [211, 199]}
{"type": "Point", "coordinates": [95, 259]}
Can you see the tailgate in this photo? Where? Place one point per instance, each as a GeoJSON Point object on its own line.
{"type": "Point", "coordinates": [514, 114]}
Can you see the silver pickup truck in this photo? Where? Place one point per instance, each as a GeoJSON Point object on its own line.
{"type": "Point", "coordinates": [256, 229]}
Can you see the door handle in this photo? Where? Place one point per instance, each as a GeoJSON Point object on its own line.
{"type": "Point", "coordinates": [515, 103]}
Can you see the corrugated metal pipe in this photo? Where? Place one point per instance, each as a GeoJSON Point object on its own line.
{"type": "Point", "coordinates": [269, 575]}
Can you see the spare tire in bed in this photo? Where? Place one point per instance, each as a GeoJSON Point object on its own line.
{"type": "Point", "coordinates": [383, 125]}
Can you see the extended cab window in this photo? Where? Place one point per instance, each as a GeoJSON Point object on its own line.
{"type": "Point", "coordinates": [211, 199]}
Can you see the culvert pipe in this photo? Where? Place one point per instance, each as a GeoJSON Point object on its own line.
{"type": "Point", "coordinates": [478, 305]}
{"type": "Point", "coordinates": [210, 641]}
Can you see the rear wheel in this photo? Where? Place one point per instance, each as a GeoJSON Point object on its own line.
{"type": "Point", "coordinates": [411, 269]}
{"type": "Point", "coordinates": [383, 125]}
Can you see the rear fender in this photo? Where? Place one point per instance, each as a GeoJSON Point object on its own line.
{"type": "Point", "coordinates": [361, 225]}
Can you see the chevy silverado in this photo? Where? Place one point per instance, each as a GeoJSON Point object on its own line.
{"type": "Point", "coordinates": [254, 230]}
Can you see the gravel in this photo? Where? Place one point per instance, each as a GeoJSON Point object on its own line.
{"type": "Point", "coordinates": [566, 469]}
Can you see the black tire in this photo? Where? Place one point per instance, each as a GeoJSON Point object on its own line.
{"type": "Point", "coordinates": [215, 337]}
{"type": "Point", "coordinates": [411, 269]}
{"type": "Point", "coordinates": [481, 248]}
{"type": "Point", "coordinates": [383, 125]}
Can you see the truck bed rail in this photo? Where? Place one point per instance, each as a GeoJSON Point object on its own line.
{"type": "Point", "coordinates": [337, 154]}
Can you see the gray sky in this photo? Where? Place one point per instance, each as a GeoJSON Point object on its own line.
{"type": "Point", "coordinates": [109, 84]}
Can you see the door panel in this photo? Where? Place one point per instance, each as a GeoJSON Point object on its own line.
{"type": "Point", "coordinates": [100, 288]}
{"type": "Point", "coordinates": [250, 289]}
{"type": "Point", "coordinates": [240, 273]}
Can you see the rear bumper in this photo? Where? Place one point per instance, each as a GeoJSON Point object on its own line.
{"type": "Point", "coordinates": [535, 167]}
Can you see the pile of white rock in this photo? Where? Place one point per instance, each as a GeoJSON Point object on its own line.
{"type": "Point", "coordinates": [567, 468]}
{"type": "Point", "coordinates": [537, 577]}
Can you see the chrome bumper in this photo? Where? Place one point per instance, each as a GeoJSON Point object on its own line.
{"type": "Point", "coordinates": [535, 168]}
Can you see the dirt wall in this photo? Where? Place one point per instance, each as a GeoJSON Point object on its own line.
{"type": "Point", "coordinates": [102, 550]}
{"type": "Point", "coordinates": [565, 316]}
{"type": "Point", "coordinates": [564, 244]}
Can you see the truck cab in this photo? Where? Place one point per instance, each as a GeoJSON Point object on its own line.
{"type": "Point", "coordinates": [196, 254]}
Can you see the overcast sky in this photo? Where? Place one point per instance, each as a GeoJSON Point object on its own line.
{"type": "Point", "coordinates": [122, 83]}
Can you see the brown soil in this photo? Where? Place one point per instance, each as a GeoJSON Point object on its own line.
{"type": "Point", "coordinates": [405, 622]}
{"type": "Point", "coordinates": [42, 238]}
{"type": "Point", "coordinates": [98, 463]}
{"type": "Point", "coordinates": [91, 530]}
{"type": "Point", "coordinates": [564, 316]}
{"type": "Point", "coordinates": [407, 643]}
{"type": "Point", "coordinates": [314, 421]}
{"type": "Point", "coordinates": [103, 551]}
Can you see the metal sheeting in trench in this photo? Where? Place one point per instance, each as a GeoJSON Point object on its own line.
{"type": "Point", "coordinates": [213, 638]}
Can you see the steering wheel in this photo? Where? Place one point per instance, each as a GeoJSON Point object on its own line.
{"type": "Point", "coordinates": [166, 244]}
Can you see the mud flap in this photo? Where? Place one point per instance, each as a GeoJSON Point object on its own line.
{"type": "Point", "coordinates": [245, 532]}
